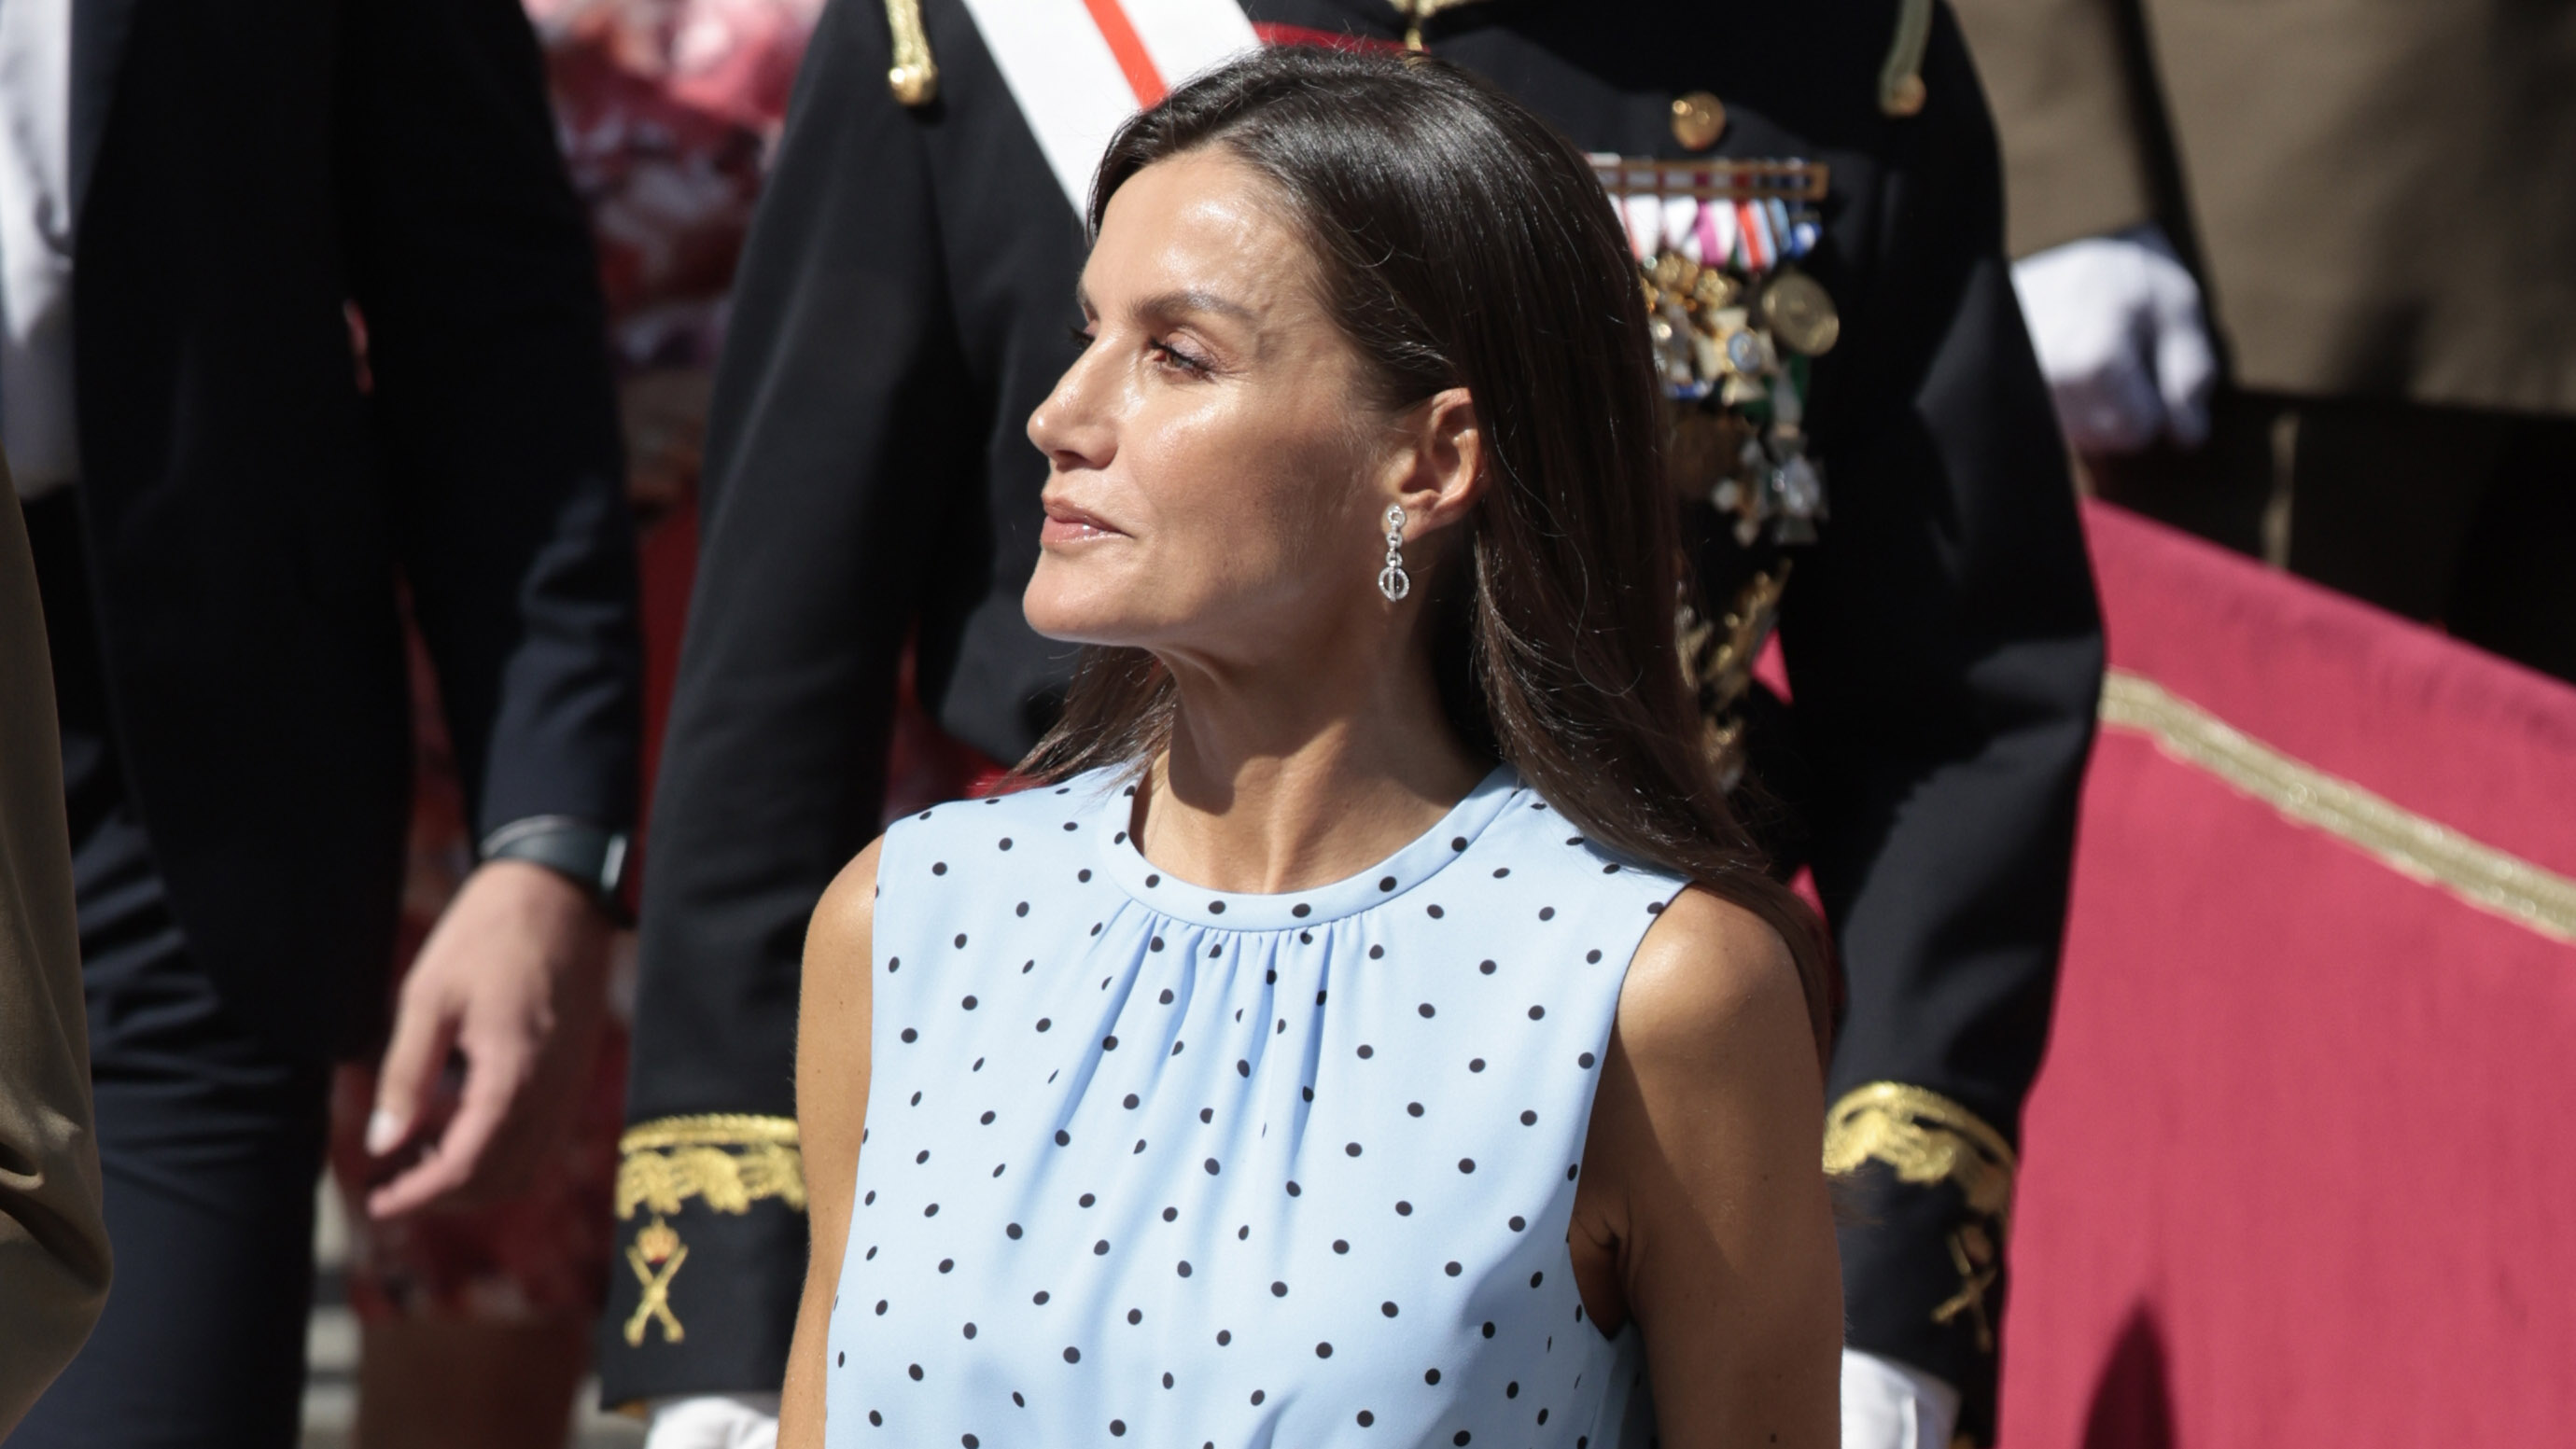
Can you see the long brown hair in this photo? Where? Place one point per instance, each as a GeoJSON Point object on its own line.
{"type": "Point", "coordinates": [1461, 242]}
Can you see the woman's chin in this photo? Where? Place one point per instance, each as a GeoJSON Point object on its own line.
{"type": "Point", "coordinates": [1080, 616]}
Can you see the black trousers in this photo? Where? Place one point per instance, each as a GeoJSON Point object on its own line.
{"type": "Point", "coordinates": [210, 1138]}
{"type": "Point", "coordinates": [2451, 516]}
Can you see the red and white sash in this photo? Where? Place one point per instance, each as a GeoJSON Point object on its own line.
{"type": "Point", "coordinates": [1080, 68]}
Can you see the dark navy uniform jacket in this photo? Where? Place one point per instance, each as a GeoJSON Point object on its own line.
{"type": "Point", "coordinates": [247, 174]}
{"type": "Point", "coordinates": [905, 303]}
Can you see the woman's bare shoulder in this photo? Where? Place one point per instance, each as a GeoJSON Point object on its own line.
{"type": "Point", "coordinates": [845, 918]}
{"type": "Point", "coordinates": [1710, 980]}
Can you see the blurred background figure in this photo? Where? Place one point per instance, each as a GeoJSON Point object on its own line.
{"type": "Point", "coordinates": [475, 1321]}
{"type": "Point", "coordinates": [668, 110]}
{"type": "Point", "coordinates": [53, 1241]}
{"type": "Point", "coordinates": [304, 334]}
{"type": "Point", "coordinates": [2303, 279]}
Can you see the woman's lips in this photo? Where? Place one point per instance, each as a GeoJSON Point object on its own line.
{"type": "Point", "coordinates": [1067, 524]}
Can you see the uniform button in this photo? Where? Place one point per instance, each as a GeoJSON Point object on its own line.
{"type": "Point", "coordinates": [1698, 120]}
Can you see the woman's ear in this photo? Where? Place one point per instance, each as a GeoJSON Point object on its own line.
{"type": "Point", "coordinates": [1445, 464]}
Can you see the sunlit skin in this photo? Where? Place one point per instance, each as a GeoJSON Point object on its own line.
{"type": "Point", "coordinates": [1218, 476]}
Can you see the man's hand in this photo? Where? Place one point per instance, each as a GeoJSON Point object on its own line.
{"type": "Point", "coordinates": [2116, 321]}
{"type": "Point", "coordinates": [513, 978]}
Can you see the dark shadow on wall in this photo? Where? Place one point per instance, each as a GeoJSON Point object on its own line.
{"type": "Point", "coordinates": [2133, 1401]}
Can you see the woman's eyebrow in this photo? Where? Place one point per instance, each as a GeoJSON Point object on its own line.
{"type": "Point", "coordinates": [1193, 299]}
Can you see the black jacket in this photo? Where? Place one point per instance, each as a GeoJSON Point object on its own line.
{"type": "Point", "coordinates": [244, 171]}
{"type": "Point", "coordinates": [904, 304]}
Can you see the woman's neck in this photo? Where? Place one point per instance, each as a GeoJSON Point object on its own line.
{"type": "Point", "coordinates": [1275, 784]}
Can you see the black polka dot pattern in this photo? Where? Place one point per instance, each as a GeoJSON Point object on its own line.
{"type": "Point", "coordinates": [1030, 1083]}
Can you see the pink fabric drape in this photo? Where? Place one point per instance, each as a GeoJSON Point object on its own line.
{"type": "Point", "coordinates": [2296, 1169]}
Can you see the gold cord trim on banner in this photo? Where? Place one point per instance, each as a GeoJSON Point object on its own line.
{"type": "Point", "coordinates": [730, 1161]}
{"type": "Point", "coordinates": [2410, 844]}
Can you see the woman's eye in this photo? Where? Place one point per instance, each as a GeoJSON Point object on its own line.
{"type": "Point", "coordinates": [1195, 366]}
{"type": "Point", "coordinates": [1081, 336]}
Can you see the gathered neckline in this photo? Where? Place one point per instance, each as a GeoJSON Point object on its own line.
{"type": "Point", "coordinates": [1158, 890]}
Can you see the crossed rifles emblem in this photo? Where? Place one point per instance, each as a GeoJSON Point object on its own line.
{"type": "Point", "coordinates": [730, 1161]}
{"type": "Point", "coordinates": [655, 1255]}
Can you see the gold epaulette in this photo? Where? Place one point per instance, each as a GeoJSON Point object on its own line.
{"type": "Point", "coordinates": [1900, 76]}
{"type": "Point", "coordinates": [914, 78]}
{"type": "Point", "coordinates": [727, 1160]}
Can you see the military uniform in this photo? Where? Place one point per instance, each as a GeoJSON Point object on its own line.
{"type": "Point", "coordinates": [905, 302]}
{"type": "Point", "coordinates": [2375, 201]}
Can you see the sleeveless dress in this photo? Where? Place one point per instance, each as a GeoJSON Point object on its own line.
{"type": "Point", "coordinates": [1150, 1162]}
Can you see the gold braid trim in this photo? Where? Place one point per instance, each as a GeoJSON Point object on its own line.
{"type": "Point", "coordinates": [2537, 899]}
{"type": "Point", "coordinates": [1927, 1138]}
{"type": "Point", "coordinates": [730, 1160]}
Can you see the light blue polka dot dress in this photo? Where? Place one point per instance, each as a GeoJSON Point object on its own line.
{"type": "Point", "coordinates": [1152, 1163]}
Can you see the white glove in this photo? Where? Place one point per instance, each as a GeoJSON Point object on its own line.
{"type": "Point", "coordinates": [2116, 321]}
{"type": "Point", "coordinates": [713, 1421]}
{"type": "Point", "coordinates": [1887, 1405]}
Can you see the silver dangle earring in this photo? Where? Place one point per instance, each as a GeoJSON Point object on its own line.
{"type": "Point", "coordinates": [1392, 580]}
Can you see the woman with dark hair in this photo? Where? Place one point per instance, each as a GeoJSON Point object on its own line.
{"type": "Point", "coordinates": [1369, 1024]}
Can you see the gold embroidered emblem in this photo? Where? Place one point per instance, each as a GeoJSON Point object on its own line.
{"type": "Point", "coordinates": [1973, 1254]}
{"type": "Point", "coordinates": [1929, 1139]}
{"type": "Point", "coordinates": [656, 1256]}
{"type": "Point", "coordinates": [731, 1161]}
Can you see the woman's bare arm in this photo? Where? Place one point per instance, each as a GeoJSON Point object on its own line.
{"type": "Point", "coordinates": [831, 1112]}
{"type": "Point", "coordinates": [1703, 1211]}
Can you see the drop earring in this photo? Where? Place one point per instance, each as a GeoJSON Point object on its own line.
{"type": "Point", "coordinates": [1392, 580]}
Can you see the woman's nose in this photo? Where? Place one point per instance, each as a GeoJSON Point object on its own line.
{"type": "Point", "coordinates": [1072, 423]}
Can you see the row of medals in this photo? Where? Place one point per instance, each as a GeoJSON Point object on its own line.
{"type": "Point", "coordinates": [1736, 325]}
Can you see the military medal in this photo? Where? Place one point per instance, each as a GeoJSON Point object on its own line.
{"type": "Point", "coordinates": [1799, 313]}
{"type": "Point", "coordinates": [1734, 320]}
{"type": "Point", "coordinates": [1735, 325]}
{"type": "Point", "coordinates": [1698, 120]}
